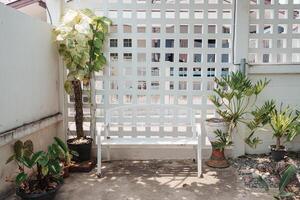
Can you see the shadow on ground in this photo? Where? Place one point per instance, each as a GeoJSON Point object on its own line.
{"type": "Point", "coordinates": [157, 180]}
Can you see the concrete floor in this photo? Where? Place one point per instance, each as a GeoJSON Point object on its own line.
{"type": "Point", "coordinates": [157, 180]}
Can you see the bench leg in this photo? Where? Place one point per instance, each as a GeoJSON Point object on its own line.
{"type": "Point", "coordinates": [199, 158]}
{"type": "Point", "coordinates": [99, 157]}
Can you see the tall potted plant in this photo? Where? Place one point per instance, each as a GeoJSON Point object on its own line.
{"type": "Point", "coordinates": [284, 122]}
{"type": "Point", "coordinates": [80, 38]}
{"type": "Point", "coordinates": [233, 97]}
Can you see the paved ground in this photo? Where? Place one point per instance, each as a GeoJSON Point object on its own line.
{"type": "Point", "coordinates": [157, 180]}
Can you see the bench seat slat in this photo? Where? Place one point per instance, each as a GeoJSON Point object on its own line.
{"type": "Point", "coordinates": [150, 141]}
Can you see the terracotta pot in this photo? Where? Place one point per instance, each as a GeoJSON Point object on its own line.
{"type": "Point", "coordinates": [217, 159]}
{"type": "Point", "coordinates": [66, 171]}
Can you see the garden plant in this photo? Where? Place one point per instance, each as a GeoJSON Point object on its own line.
{"type": "Point", "coordinates": [80, 38]}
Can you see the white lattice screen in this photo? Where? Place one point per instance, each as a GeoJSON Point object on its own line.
{"type": "Point", "coordinates": [274, 31]}
{"type": "Point", "coordinates": [163, 52]}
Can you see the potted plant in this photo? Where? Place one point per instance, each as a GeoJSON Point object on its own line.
{"type": "Point", "coordinates": [220, 143]}
{"type": "Point", "coordinates": [80, 38]}
{"type": "Point", "coordinates": [284, 122]}
{"type": "Point", "coordinates": [233, 96]}
{"type": "Point", "coordinates": [39, 174]}
{"type": "Point", "coordinates": [65, 155]}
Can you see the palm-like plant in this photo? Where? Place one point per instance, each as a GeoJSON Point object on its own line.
{"type": "Point", "coordinates": [283, 121]}
{"type": "Point", "coordinates": [234, 96]}
{"type": "Point", "coordinates": [80, 40]}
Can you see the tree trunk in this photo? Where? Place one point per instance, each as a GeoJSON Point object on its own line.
{"type": "Point", "coordinates": [78, 108]}
{"type": "Point", "coordinates": [278, 143]}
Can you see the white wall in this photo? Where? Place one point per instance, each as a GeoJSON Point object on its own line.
{"type": "Point", "coordinates": [29, 81]}
{"type": "Point", "coordinates": [29, 87]}
{"type": "Point", "coordinates": [284, 88]}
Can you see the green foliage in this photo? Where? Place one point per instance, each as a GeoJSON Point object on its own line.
{"type": "Point", "coordinates": [65, 154]}
{"type": "Point", "coordinates": [224, 140]}
{"type": "Point", "coordinates": [47, 163]}
{"type": "Point", "coordinates": [285, 179]}
{"type": "Point", "coordinates": [284, 121]}
{"type": "Point", "coordinates": [234, 96]}
{"type": "Point", "coordinates": [263, 182]}
{"type": "Point", "coordinates": [80, 39]}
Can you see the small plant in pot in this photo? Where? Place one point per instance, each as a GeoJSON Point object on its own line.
{"type": "Point", "coordinates": [65, 155]}
{"type": "Point", "coordinates": [222, 141]}
{"type": "Point", "coordinates": [284, 123]}
{"type": "Point", "coordinates": [39, 174]}
{"type": "Point", "coordinates": [233, 97]}
{"type": "Point", "coordinates": [80, 38]}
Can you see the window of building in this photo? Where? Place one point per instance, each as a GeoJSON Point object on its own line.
{"type": "Point", "coordinates": [184, 28]}
{"type": "Point", "coordinates": [211, 58]}
{"type": "Point", "coordinates": [169, 43]}
{"type": "Point", "coordinates": [141, 43]}
{"type": "Point", "coordinates": [225, 58]}
{"type": "Point", "coordinates": [127, 43]}
{"type": "Point", "coordinates": [182, 85]}
{"type": "Point", "coordinates": [196, 72]}
{"type": "Point", "coordinates": [198, 43]}
{"type": "Point", "coordinates": [127, 56]}
{"type": "Point", "coordinates": [113, 56]}
{"type": "Point", "coordinates": [211, 43]}
{"type": "Point", "coordinates": [182, 72]}
{"type": "Point", "coordinates": [197, 58]}
{"type": "Point", "coordinates": [183, 43]}
{"type": "Point", "coordinates": [183, 57]}
{"type": "Point", "coordinates": [169, 57]}
{"type": "Point", "coordinates": [211, 28]}
{"type": "Point", "coordinates": [154, 71]}
{"type": "Point", "coordinates": [198, 29]}
{"type": "Point", "coordinates": [170, 28]}
{"type": "Point", "coordinates": [113, 42]}
{"type": "Point", "coordinates": [142, 85]}
{"type": "Point", "coordinates": [155, 57]}
{"type": "Point", "coordinates": [211, 72]}
{"type": "Point", "coordinates": [156, 43]}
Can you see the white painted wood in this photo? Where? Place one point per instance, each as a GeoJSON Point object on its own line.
{"type": "Point", "coordinates": [110, 139]}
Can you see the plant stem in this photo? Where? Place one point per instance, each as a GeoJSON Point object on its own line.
{"type": "Point", "coordinates": [78, 108]}
{"type": "Point", "coordinates": [278, 143]}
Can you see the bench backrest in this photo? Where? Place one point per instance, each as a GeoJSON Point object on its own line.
{"type": "Point", "coordinates": [150, 120]}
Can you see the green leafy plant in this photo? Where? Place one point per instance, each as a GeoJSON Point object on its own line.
{"type": "Point", "coordinates": [65, 153]}
{"type": "Point", "coordinates": [234, 96]}
{"type": "Point", "coordinates": [283, 121]}
{"type": "Point", "coordinates": [39, 171]}
{"type": "Point", "coordinates": [80, 39]}
{"type": "Point", "coordinates": [223, 140]}
{"type": "Point", "coordinates": [285, 179]}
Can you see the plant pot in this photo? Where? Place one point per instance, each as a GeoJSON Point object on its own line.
{"type": "Point", "coordinates": [217, 159]}
{"type": "Point", "coordinates": [49, 195]}
{"type": "Point", "coordinates": [83, 149]}
{"type": "Point", "coordinates": [66, 171]}
{"type": "Point", "coordinates": [279, 154]}
{"type": "Point", "coordinates": [213, 124]}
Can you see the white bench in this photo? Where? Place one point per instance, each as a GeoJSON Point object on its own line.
{"type": "Point", "coordinates": [141, 120]}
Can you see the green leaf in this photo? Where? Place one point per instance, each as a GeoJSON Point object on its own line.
{"type": "Point", "coordinates": [286, 177]}
{"type": "Point", "coordinates": [262, 181]}
{"type": "Point", "coordinates": [36, 157]}
{"type": "Point", "coordinates": [21, 177]}
{"type": "Point", "coordinates": [44, 159]}
{"type": "Point", "coordinates": [28, 148]}
{"type": "Point", "coordinates": [54, 167]}
{"type": "Point", "coordinates": [61, 144]}
{"type": "Point", "coordinates": [11, 158]}
{"type": "Point", "coordinates": [45, 170]}
{"type": "Point", "coordinates": [18, 148]}
{"type": "Point", "coordinates": [68, 87]}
